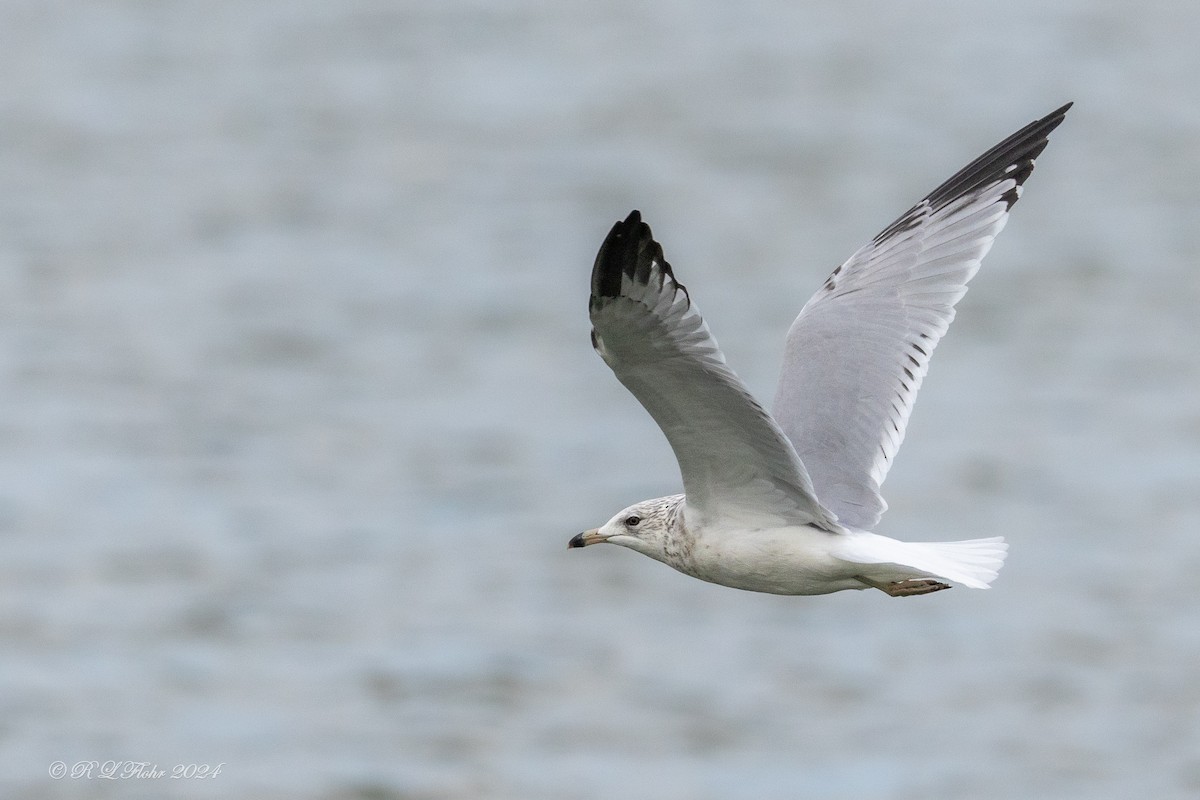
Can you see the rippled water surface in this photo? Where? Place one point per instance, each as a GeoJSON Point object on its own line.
{"type": "Point", "coordinates": [298, 411]}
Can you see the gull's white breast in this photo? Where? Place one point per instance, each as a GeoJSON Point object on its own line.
{"type": "Point", "coordinates": [790, 560]}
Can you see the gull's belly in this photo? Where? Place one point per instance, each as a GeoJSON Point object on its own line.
{"type": "Point", "coordinates": [795, 560]}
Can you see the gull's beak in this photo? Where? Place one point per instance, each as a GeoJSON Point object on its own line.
{"type": "Point", "coordinates": [587, 537]}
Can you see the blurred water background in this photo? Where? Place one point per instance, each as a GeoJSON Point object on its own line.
{"type": "Point", "coordinates": [298, 409]}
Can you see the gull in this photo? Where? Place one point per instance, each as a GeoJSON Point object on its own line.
{"type": "Point", "coordinates": [786, 501]}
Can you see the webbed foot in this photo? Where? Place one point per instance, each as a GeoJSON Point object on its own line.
{"type": "Point", "coordinates": [907, 588]}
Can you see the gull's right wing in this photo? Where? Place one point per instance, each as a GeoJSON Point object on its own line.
{"type": "Point", "coordinates": [857, 353]}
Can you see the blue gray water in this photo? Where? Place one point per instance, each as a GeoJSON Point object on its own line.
{"type": "Point", "coordinates": [298, 410]}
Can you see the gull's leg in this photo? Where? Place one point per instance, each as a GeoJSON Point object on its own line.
{"type": "Point", "coordinates": [907, 588]}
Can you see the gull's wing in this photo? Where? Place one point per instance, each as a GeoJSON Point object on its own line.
{"type": "Point", "coordinates": [736, 463]}
{"type": "Point", "coordinates": [856, 355]}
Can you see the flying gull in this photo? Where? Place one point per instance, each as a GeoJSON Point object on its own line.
{"type": "Point", "coordinates": [786, 502]}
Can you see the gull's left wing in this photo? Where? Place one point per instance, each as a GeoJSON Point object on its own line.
{"type": "Point", "coordinates": [736, 463]}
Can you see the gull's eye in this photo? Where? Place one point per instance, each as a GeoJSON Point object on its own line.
{"type": "Point", "coordinates": [633, 520]}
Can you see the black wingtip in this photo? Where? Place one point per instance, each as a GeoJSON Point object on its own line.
{"type": "Point", "coordinates": [1011, 158]}
{"type": "Point", "coordinates": [1062, 112]}
{"type": "Point", "coordinates": [628, 250]}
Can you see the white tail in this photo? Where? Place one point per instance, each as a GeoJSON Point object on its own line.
{"type": "Point", "coordinates": [974, 563]}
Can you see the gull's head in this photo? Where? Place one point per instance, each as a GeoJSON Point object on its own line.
{"type": "Point", "coordinates": [644, 527]}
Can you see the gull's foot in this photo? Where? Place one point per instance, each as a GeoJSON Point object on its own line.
{"type": "Point", "coordinates": [907, 588]}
